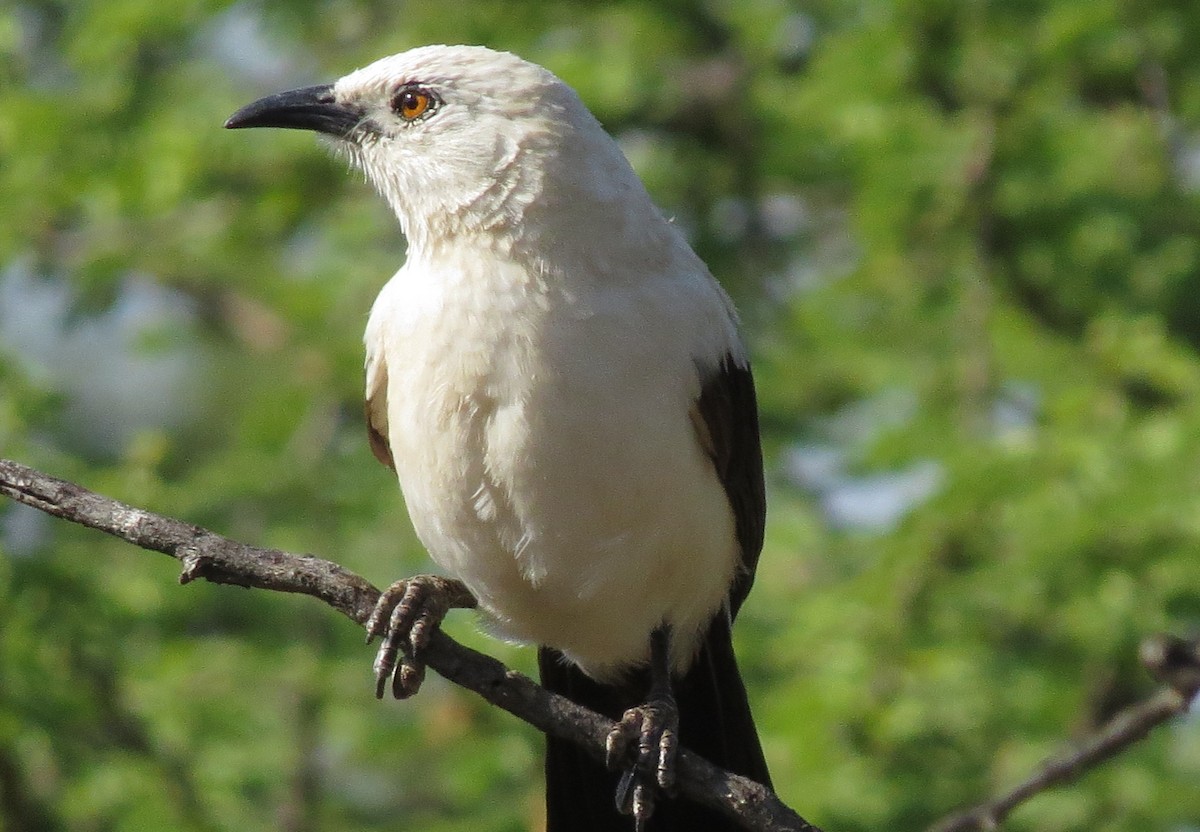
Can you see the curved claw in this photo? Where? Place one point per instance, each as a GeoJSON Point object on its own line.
{"type": "Point", "coordinates": [645, 743]}
{"type": "Point", "coordinates": [408, 678]}
{"type": "Point", "coordinates": [413, 610]}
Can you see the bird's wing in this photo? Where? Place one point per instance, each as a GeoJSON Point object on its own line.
{"type": "Point", "coordinates": [726, 420]}
{"type": "Point", "coordinates": [376, 406]}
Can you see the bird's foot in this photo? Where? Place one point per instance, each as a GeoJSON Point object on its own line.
{"type": "Point", "coordinates": [645, 743]}
{"type": "Point", "coordinates": [405, 616]}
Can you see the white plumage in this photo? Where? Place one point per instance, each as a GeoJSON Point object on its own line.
{"type": "Point", "coordinates": [558, 382]}
{"type": "Point", "coordinates": [535, 364]}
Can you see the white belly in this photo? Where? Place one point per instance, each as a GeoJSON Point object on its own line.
{"type": "Point", "coordinates": [548, 461]}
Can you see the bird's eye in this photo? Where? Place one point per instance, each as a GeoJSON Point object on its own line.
{"type": "Point", "coordinates": [412, 103]}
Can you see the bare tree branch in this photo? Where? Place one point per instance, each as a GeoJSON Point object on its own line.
{"type": "Point", "coordinates": [205, 554]}
{"type": "Point", "coordinates": [1171, 660]}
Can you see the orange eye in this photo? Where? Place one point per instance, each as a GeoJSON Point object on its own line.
{"type": "Point", "coordinates": [412, 102]}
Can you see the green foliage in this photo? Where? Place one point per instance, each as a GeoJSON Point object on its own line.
{"type": "Point", "coordinates": [931, 214]}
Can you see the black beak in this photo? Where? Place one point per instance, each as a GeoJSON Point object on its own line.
{"type": "Point", "coordinates": [310, 108]}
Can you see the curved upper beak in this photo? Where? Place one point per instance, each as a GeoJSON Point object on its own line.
{"type": "Point", "coordinates": [309, 108]}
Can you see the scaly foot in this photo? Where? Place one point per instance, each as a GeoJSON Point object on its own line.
{"type": "Point", "coordinates": [645, 742]}
{"type": "Point", "coordinates": [412, 610]}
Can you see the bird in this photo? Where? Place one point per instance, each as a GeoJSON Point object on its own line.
{"type": "Point", "coordinates": [561, 387]}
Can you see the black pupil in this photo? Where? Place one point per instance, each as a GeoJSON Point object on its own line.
{"type": "Point", "coordinates": [412, 103]}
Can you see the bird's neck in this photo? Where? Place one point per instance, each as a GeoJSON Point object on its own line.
{"type": "Point", "coordinates": [572, 198]}
{"type": "Point", "coordinates": [567, 232]}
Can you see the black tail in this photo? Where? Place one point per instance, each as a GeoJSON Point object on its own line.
{"type": "Point", "coordinates": [714, 721]}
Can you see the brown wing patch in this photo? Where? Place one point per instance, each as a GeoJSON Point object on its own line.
{"type": "Point", "coordinates": [377, 410]}
{"type": "Point", "coordinates": [726, 421]}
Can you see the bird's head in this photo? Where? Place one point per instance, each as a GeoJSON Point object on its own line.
{"type": "Point", "coordinates": [458, 138]}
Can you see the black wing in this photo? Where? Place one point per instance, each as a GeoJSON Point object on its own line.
{"type": "Point", "coordinates": [726, 417]}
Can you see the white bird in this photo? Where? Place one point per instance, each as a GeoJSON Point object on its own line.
{"type": "Point", "coordinates": [559, 384]}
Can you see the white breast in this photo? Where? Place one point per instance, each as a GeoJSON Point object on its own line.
{"type": "Point", "coordinates": [543, 443]}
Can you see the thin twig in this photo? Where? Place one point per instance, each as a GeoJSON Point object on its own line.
{"type": "Point", "coordinates": [205, 554]}
{"type": "Point", "coordinates": [1173, 661]}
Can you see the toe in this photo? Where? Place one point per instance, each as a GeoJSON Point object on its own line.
{"type": "Point", "coordinates": [384, 607]}
{"type": "Point", "coordinates": [668, 750]}
{"type": "Point", "coordinates": [621, 740]}
{"type": "Point", "coordinates": [625, 791]}
{"type": "Point", "coordinates": [643, 805]}
{"type": "Point", "coordinates": [408, 678]}
{"type": "Point", "coordinates": [384, 666]}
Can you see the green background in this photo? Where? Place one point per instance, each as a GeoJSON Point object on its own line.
{"type": "Point", "coordinates": [963, 236]}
